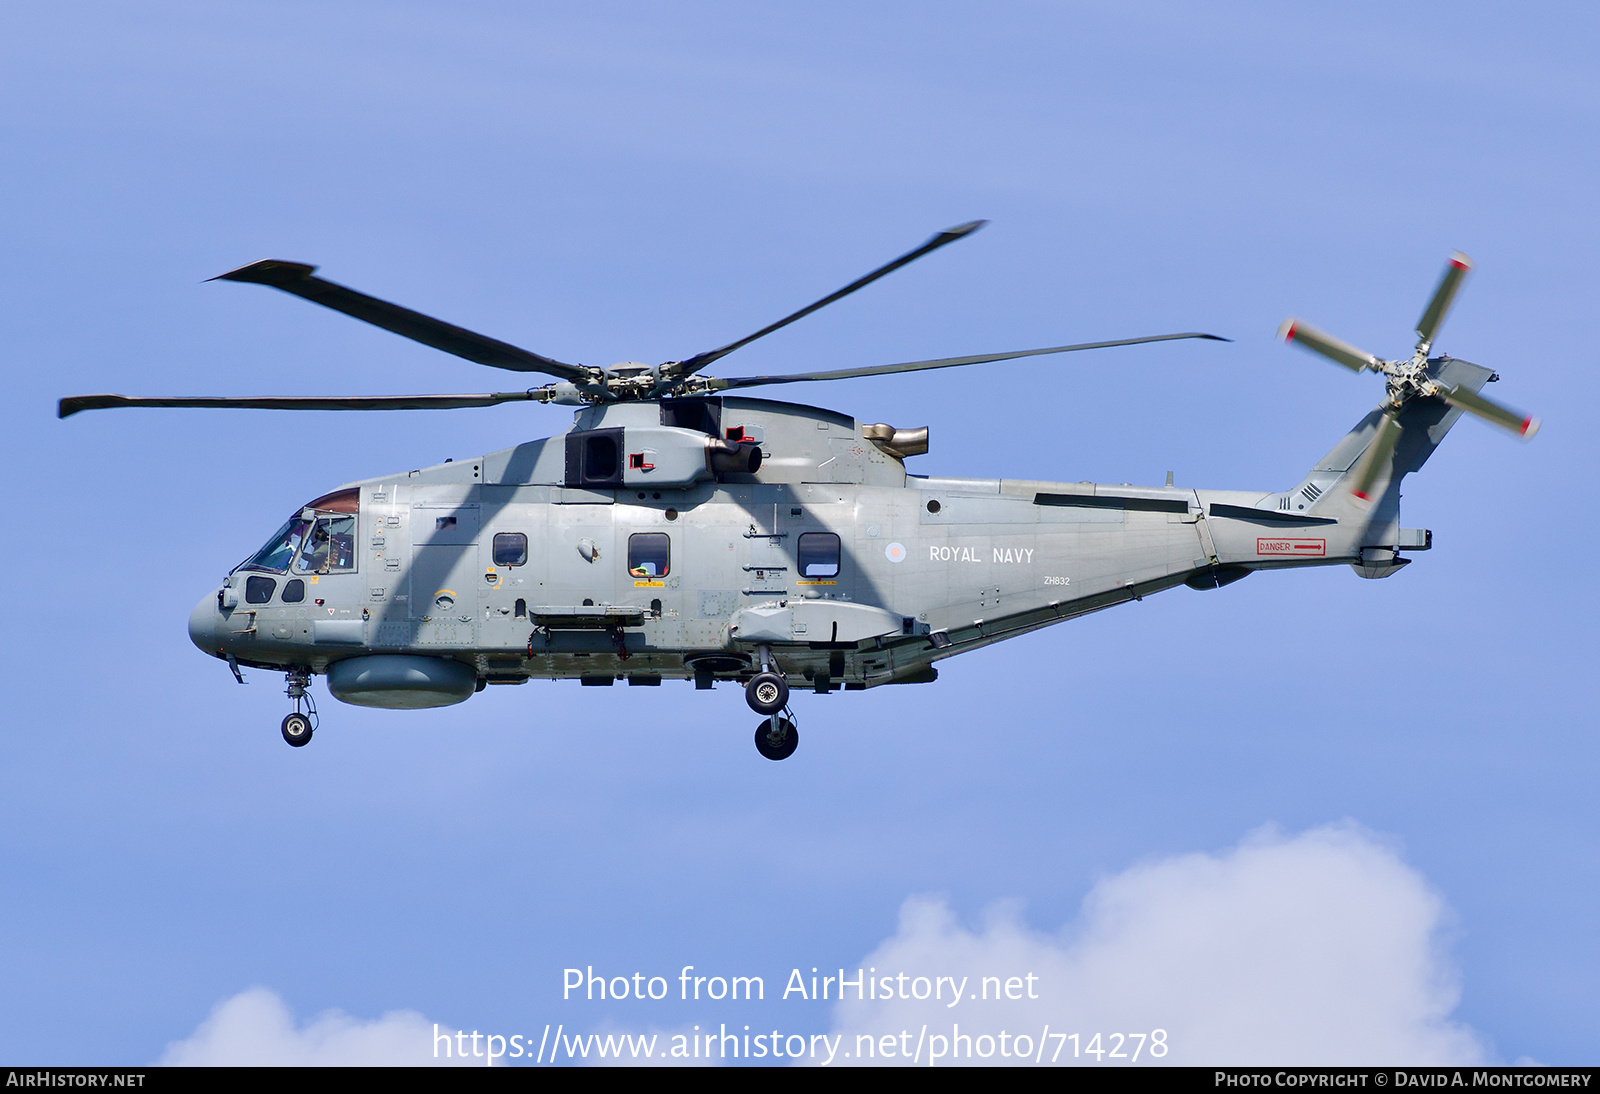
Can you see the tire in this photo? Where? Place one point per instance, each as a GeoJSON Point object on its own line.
{"type": "Point", "coordinates": [767, 693]}
{"type": "Point", "coordinates": [297, 730]}
{"type": "Point", "coordinates": [782, 748]}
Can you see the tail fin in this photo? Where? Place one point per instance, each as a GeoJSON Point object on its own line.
{"type": "Point", "coordinates": [1325, 490]}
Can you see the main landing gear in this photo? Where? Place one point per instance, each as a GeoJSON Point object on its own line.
{"type": "Point", "coordinates": [768, 693]}
{"type": "Point", "coordinates": [298, 726]}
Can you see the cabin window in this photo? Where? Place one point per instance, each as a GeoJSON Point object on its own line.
{"type": "Point", "coordinates": [294, 591]}
{"type": "Point", "coordinates": [330, 548]}
{"type": "Point", "coordinates": [819, 554]}
{"type": "Point", "coordinates": [649, 554]}
{"type": "Point", "coordinates": [258, 590]}
{"type": "Point", "coordinates": [510, 548]}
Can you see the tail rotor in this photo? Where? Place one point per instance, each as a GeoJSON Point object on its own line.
{"type": "Point", "coordinates": [1407, 380]}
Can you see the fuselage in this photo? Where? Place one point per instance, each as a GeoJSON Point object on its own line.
{"type": "Point", "coordinates": [545, 561]}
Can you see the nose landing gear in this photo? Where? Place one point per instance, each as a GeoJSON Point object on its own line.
{"type": "Point", "coordinates": [298, 727]}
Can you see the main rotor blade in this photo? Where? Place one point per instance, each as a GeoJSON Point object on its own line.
{"type": "Point", "coordinates": [1523, 425]}
{"type": "Point", "coordinates": [1433, 315]}
{"type": "Point", "coordinates": [353, 402]}
{"type": "Point", "coordinates": [943, 362]}
{"type": "Point", "coordinates": [1296, 330]}
{"type": "Point", "coordinates": [949, 235]}
{"type": "Point", "coordinates": [296, 278]}
{"type": "Point", "coordinates": [1376, 458]}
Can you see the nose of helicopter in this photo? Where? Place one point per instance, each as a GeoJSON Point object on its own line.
{"type": "Point", "coordinates": [203, 625]}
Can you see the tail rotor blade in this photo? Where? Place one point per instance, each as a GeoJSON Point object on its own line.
{"type": "Point", "coordinates": [1523, 425]}
{"type": "Point", "coordinates": [1356, 360]}
{"type": "Point", "coordinates": [1375, 460]}
{"type": "Point", "coordinates": [1433, 316]}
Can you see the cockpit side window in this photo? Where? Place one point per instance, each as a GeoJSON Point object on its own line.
{"type": "Point", "coordinates": [330, 548]}
{"type": "Point", "coordinates": [328, 534]}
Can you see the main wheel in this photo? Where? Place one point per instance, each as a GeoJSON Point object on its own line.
{"type": "Point", "coordinates": [297, 730]}
{"type": "Point", "coordinates": [767, 693]}
{"type": "Point", "coordinates": [779, 745]}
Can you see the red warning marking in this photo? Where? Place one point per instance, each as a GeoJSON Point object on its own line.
{"type": "Point", "coordinates": [1289, 335]}
{"type": "Point", "coordinates": [1309, 548]}
{"type": "Point", "coordinates": [1460, 265]}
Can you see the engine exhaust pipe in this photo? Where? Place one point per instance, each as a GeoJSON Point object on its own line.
{"type": "Point", "coordinates": [729, 457]}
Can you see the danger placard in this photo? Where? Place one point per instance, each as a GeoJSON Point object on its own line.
{"type": "Point", "coordinates": [1306, 548]}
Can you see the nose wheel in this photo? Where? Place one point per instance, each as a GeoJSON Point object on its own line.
{"type": "Point", "coordinates": [777, 738]}
{"type": "Point", "coordinates": [300, 724]}
{"type": "Point", "coordinates": [297, 730]}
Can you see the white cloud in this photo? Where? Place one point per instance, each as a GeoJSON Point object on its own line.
{"type": "Point", "coordinates": [255, 1027]}
{"type": "Point", "coordinates": [1322, 948]}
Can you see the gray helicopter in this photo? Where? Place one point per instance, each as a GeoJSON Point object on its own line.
{"type": "Point", "coordinates": [678, 532]}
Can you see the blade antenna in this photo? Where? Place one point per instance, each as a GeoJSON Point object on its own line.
{"type": "Point", "coordinates": [689, 366]}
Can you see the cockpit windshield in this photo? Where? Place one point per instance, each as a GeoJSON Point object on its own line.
{"type": "Point", "coordinates": [326, 529]}
{"type": "Point", "coordinates": [274, 557]}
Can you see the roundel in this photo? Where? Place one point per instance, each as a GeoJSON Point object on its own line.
{"type": "Point", "coordinates": [895, 552]}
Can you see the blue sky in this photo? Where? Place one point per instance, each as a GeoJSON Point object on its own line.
{"type": "Point", "coordinates": [626, 181]}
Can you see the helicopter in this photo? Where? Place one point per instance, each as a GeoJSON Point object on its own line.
{"type": "Point", "coordinates": [678, 532]}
